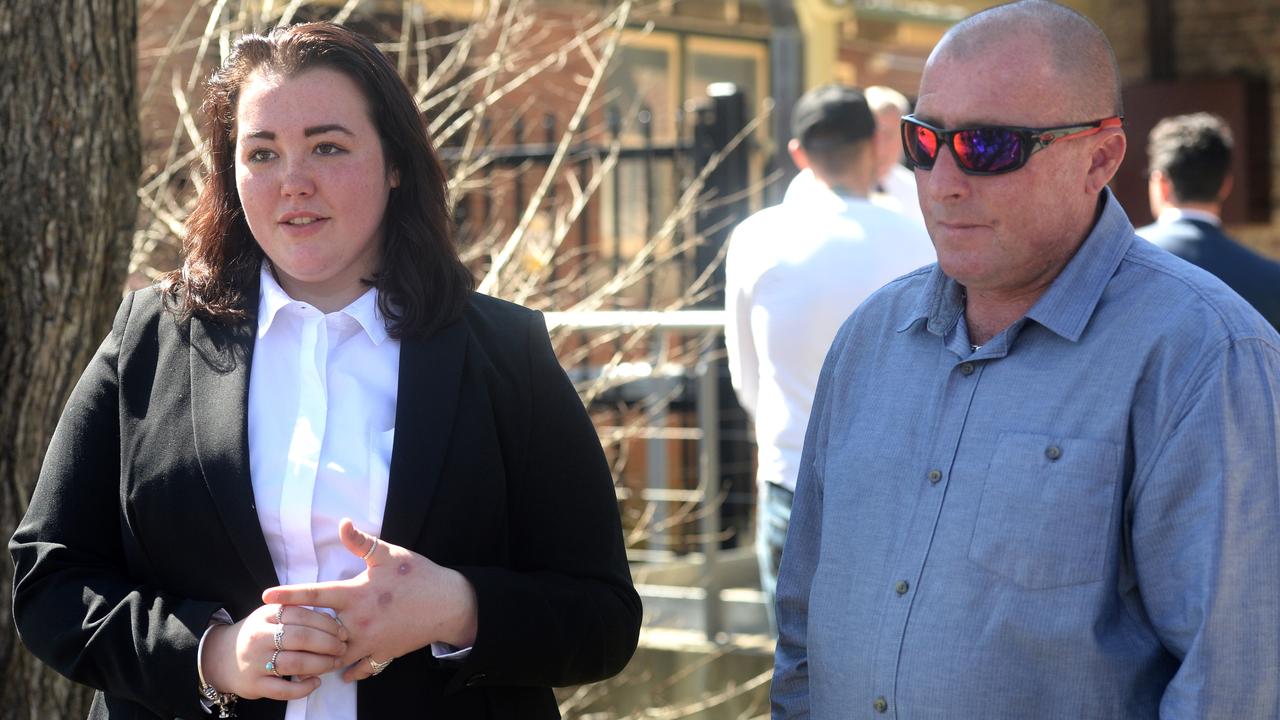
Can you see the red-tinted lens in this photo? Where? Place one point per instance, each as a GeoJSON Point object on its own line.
{"type": "Point", "coordinates": [989, 150]}
{"type": "Point", "coordinates": [921, 144]}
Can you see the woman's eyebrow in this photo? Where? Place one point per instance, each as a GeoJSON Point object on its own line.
{"type": "Point", "coordinates": [321, 129]}
{"type": "Point", "coordinates": [308, 132]}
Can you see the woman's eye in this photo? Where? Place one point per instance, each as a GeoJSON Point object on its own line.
{"type": "Point", "coordinates": [260, 155]}
{"type": "Point", "coordinates": [327, 149]}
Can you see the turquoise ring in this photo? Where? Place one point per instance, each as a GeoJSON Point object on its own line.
{"type": "Point", "coordinates": [271, 664]}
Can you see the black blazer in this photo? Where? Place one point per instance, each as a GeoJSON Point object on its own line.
{"type": "Point", "coordinates": [1253, 277]}
{"type": "Point", "coordinates": [143, 521]}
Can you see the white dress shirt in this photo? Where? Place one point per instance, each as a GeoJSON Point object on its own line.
{"type": "Point", "coordinates": [793, 273]}
{"type": "Point", "coordinates": [1174, 214]}
{"type": "Point", "coordinates": [898, 193]}
{"type": "Point", "coordinates": [322, 401]}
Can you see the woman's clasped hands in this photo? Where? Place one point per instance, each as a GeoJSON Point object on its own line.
{"type": "Point", "coordinates": [400, 603]}
{"type": "Point", "coordinates": [275, 652]}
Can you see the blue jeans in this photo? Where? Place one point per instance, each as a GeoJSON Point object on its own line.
{"type": "Point", "coordinates": [772, 517]}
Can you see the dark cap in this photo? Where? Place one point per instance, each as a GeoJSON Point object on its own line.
{"type": "Point", "coordinates": [839, 112]}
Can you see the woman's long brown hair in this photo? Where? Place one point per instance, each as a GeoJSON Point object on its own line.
{"type": "Point", "coordinates": [422, 284]}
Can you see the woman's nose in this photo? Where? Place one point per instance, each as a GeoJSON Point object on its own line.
{"type": "Point", "coordinates": [297, 180]}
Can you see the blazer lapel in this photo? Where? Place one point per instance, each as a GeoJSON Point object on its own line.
{"type": "Point", "coordinates": [426, 400]}
{"type": "Point", "coordinates": [220, 361]}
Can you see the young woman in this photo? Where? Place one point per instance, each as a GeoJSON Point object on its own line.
{"type": "Point", "coordinates": [314, 451]}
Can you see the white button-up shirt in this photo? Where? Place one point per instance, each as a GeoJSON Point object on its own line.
{"type": "Point", "coordinates": [793, 274]}
{"type": "Point", "coordinates": [322, 401]}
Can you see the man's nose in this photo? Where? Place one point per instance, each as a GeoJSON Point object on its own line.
{"type": "Point", "coordinates": [946, 180]}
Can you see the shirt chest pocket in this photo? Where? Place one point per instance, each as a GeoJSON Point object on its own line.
{"type": "Point", "coordinates": [1047, 510]}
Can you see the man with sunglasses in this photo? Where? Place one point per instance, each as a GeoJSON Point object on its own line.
{"type": "Point", "coordinates": [1041, 478]}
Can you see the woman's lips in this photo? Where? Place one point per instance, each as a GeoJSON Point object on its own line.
{"type": "Point", "coordinates": [295, 229]}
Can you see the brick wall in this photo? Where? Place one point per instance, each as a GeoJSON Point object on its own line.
{"type": "Point", "coordinates": [1223, 37]}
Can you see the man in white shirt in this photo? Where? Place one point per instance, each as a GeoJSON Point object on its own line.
{"type": "Point", "coordinates": [895, 185]}
{"type": "Point", "coordinates": [794, 272]}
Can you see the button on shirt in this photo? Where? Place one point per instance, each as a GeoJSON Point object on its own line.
{"type": "Point", "coordinates": [1083, 525]}
{"type": "Point", "coordinates": [322, 400]}
{"type": "Point", "coordinates": [793, 274]}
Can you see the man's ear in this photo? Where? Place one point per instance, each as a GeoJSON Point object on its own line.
{"type": "Point", "coordinates": [1228, 183]}
{"type": "Point", "coordinates": [1159, 192]}
{"type": "Point", "coordinates": [798, 155]}
{"type": "Point", "coordinates": [1105, 159]}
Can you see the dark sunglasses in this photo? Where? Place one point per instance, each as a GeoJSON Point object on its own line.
{"type": "Point", "coordinates": [990, 150]}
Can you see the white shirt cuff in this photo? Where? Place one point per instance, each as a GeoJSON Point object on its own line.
{"type": "Point", "coordinates": [445, 651]}
{"type": "Point", "coordinates": [222, 617]}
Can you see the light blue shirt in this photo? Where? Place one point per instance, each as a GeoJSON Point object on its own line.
{"type": "Point", "coordinates": [1079, 520]}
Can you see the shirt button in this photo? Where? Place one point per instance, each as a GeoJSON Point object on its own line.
{"type": "Point", "coordinates": [966, 368]}
{"type": "Point", "coordinates": [1053, 452]}
{"type": "Point", "coordinates": [881, 705]}
{"type": "Point", "coordinates": [934, 476]}
{"type": "Point", "coordinates": [902, 587]}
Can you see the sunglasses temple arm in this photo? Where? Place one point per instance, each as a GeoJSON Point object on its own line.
{"type": "Point", "coordinates": [1113, 122]}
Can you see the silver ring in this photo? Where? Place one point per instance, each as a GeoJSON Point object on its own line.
{"type": "Point", "coordinates": [280, 615]}
{"type": "Point", "coordinates": [369, 552]}
{"type": "Point", "coordinates": [271, 664]}
{"type": "Point", "coordinates": [378, 666]}
{"type": "Point", "coordinates": [279, 638]}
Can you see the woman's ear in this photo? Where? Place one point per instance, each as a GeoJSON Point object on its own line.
{"type": "Point", "coordinates": [394, 176]}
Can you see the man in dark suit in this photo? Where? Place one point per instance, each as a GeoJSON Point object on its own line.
{"type": "Point", "coordinates": [1189, 179]}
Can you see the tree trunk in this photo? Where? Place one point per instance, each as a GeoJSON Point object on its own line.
{"type": "Point", "coordinates": [69, 165]}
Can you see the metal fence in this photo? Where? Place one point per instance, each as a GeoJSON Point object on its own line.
{"type": "Point", "coordinates": [648, 179]}
{"type": "Point", "coordinates": [724, 516]}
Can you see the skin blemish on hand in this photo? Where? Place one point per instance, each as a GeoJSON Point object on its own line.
{"type": "Point", "coordinates": [384, 599]}
{"type": "Point", "coordinates": [403, 569]}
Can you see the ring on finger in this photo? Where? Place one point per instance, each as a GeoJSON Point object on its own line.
{"type": "Point", "coordinates": [280, 615]}
{"type": "Point", "coordinates": [279, 638]}
{"type": "Point", "coordinates": [379, 666]}
{"type": "Point", "coordinates": [369, 552]}
{"type": "Point", "coordinates": [271, 664]}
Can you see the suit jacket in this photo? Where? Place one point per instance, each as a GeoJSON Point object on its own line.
{"type": "Point", "coordinates": [1254, 277]}
{"type": "Point", "coordinates": [143, 522]}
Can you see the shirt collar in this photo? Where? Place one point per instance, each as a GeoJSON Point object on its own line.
{"type": "Point", "coordinates": [1174, 214]}
{"type": "Point", "coordinates": [272, 299]}
{"type": "Point", "coordinates": [809, 192]}
{"type": "Point", "coordinates": [364, 310]}
{"type": "Point", "coordinates": [1068, 304]}
{"type": "Point", "coordinates": [940, 303]}
{"type": "Point", "coordinates": [1065, 308]}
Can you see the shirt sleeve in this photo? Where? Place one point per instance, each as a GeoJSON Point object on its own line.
{"type": "Point", "coordinates": [445, 651]}
{"type": "Point", "coordinates": [562, 609]}
{"type": "Point", "coordinates": [222, 617]}
{"type": "Point", "coordinates": [1205, 532]}
{"type": "Point", "coordinates": [744, 364]}
{"type": "Point", "coordinates": [790, 691]}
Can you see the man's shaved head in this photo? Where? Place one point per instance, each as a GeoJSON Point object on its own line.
{"type": "Point", "coordinates": [1031, 64]}
{"type": "Point", "coordinates": [1081, 54]}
